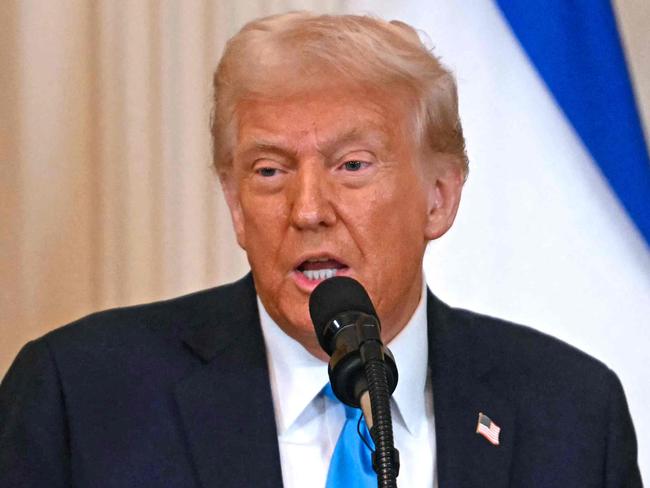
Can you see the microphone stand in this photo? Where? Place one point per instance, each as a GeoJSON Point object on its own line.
{"type": "Point", "coordinates": [385, 459]}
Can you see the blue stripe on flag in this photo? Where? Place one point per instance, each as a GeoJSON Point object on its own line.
{"type": "Point", "coordinates": [576, 48]}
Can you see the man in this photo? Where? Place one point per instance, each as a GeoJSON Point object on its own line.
{"type": "Point", "coordinates": [340, 152]}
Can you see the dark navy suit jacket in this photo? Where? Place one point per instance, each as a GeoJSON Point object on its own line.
{"type": "Point", "coordinates": [176, 394]}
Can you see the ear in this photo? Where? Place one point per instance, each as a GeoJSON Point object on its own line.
{"type": "Point", "coordinates": [231, 193]}
{"type": "Point", "coordinates": [445, 185]}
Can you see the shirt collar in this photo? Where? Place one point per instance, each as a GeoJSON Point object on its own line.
{"type": "Point", "coordinates": [297, 376]}
{"type": "Point", "coordinates": [411, 352]}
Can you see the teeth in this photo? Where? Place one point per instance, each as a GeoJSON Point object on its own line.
{"type": "Point", "coordinates": [319, 274]}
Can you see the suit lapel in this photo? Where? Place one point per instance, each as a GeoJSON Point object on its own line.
{"type": "Point", "coordinates": [464, 384]}
{"type": "Point", "coordinates": [226, 404]}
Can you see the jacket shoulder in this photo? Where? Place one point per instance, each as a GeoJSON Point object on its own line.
{"type": "Point", "coordinates": [169, 318]}
{"type": "Point", "coordinates": [522, 355]}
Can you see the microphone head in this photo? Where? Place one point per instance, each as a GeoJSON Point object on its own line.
{"type": "Point", "coordinates": [334, 296]}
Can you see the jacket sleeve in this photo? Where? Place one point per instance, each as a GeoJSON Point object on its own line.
{"type": "Point", "coordinates": [34, 443]}
{"type": "Point", "coordinates": [621, 468]}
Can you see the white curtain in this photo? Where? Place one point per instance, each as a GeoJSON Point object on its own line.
{"type": "Point", "coordinates": [107, 193]}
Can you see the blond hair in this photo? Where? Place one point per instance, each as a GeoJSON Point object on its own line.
{"type": "Point", "coordinates": [289, 53]}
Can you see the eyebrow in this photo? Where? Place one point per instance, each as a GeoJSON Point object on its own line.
{"type": "Point", "coordinates": [368, 134]}
{"type": "Point", "coordinates": [326, 148]}
{"type": "Point", "coordinates": [268, 146]}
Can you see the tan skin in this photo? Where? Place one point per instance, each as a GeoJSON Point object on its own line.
{"type": "Point", "coordinates": [333, 174]}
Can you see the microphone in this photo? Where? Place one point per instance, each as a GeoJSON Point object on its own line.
{"type": "Point", "coordinates": [362, 372]}
{"type": "Point", "coordinates": [346, 324]}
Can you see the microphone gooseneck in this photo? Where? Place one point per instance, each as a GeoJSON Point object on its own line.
{"type": "Point", "coordinates": [348, 330]}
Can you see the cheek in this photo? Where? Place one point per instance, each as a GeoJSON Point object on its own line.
{"type": "Point", "coordinates": [264, 226]}
{"type": "Point", "coordinates": [264, 218]}
{"type": "Point", "coordinates": [390, 215]}
{"type": "Point", "coordinates": [389, 227]}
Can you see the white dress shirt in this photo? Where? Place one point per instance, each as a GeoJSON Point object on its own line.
{"type": "Point", "coordinates": [309, 423]}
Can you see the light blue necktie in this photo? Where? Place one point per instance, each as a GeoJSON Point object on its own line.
{"type": "Point", "coordinates": [351, 463]}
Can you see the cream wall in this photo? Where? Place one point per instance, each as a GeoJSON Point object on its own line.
{"type": "Point", "coordinates": [633, 19]}
{"type": "Point", "coordinates": [106, 193]}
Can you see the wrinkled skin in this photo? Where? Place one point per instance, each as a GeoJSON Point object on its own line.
{"type": "Point", "coordinates": [334, 174]}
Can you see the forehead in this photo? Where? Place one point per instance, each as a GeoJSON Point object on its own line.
{"type": "Point", "coordinates": [321, 117]}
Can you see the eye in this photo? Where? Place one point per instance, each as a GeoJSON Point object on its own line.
{"type": "Point", "coordinates": [266, 172]}
{"type": "Point", "coordinates": [354, 165]}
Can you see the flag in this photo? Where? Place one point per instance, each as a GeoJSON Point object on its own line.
{"type": "Point", "coordinates": [488, 429]}
{"type": "Point", "coordinates": [576, 48]}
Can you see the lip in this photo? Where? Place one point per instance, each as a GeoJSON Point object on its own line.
{"type": "Point", "coordinates": [306, 285]}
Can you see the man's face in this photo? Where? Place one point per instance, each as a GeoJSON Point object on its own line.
{"type": "Point", "coordinates": [331, 183]}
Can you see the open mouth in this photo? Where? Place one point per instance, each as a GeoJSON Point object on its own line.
{"type": "Point", "coordinates": [319, 269]}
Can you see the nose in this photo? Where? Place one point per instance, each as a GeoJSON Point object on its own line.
{"type": "Point", "coordinates": [311, 207]}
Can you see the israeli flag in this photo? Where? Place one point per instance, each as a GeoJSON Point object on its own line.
{"type": "Point", "coordinates": [554, 226]}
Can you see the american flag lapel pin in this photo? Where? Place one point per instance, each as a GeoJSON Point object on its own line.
{"type": "Point", "coordinates": [488, 429]}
